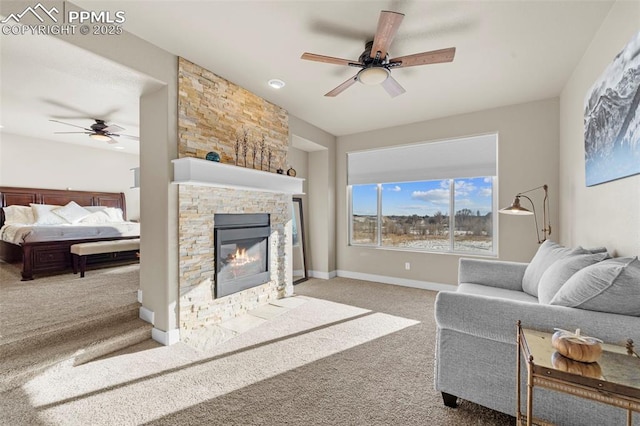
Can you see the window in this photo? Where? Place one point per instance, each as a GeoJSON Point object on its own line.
{"type": "Point", "coordinates": [449, 214]}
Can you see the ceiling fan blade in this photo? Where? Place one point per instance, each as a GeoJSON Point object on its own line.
{"type": "Point", "coordinates": [424, 58]}
{"type": "Point", "coordinates": [113, 128]}
{"type": "Point", "coordinates": [70, 133]}
{"type": "Point", "coordinates": [392, 87]}
{"type": "Point", "coordinates": [326, 59]}
{"type": "Point", "coordinates": [341, 88]}
{"type": "Point", "coordinates": [388, 25]}
{"type": "Point", "coordinates": [69, 124]}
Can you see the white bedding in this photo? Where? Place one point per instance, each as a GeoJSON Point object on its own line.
{"type": "Point", "coordinates": [18, 234]}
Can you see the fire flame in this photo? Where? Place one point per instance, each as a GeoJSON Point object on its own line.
{"type": "Point", "coordinates": [241, 257]}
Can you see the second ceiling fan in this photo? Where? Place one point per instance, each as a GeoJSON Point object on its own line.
{"type": "Point", "coordinates": [374, 61]}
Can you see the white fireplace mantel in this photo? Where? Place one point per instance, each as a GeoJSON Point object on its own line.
{"type": "Point", "coordinates": [195, 171]}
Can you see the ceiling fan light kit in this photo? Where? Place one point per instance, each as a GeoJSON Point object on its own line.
{"type": "Point", "coordinates": [374, 61]}
{"type": "Point", "coordinates": [372, 76]}
{"type": "Point", "coordinates": [99, 137]}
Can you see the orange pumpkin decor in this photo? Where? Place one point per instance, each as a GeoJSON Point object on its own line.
{"type": "Point", "coordinates": [562, 363]}
{"type": "Point", "coordinates": [576, 346]}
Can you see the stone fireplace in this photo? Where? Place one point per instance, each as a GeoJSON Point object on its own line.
{"type": "Point", "coordinates": [251, 137]}
{"type": "Point", "coordinates": [216, 198]}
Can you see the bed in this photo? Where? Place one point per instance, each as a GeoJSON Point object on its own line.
{"type": "Point", "coordinates": [46, 248]}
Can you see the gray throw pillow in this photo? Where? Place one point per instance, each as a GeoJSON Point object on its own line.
{"type": "Point", "coordinates": [547, 253]}
{"type": "Point", "coordinates": [560, 271]}
{"type": "Point", "coordinates": [612, 285]}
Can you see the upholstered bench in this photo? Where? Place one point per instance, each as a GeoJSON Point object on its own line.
{"type": "Point", "coordinates": [81, 251]}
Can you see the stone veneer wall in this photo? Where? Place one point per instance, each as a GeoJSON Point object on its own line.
{"type": "Point", "coordinates": [198, 204]}
{"type": "Point", "coordinates": [213, 114]}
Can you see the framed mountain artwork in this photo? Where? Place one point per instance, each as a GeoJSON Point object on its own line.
{"type": "Point", "coordinates": [612, 119]}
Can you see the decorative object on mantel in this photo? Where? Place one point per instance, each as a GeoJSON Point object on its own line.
{"type": "Point", "coordinates": [280, 171]}
{"type": "Point", "coordinates": [245, 146]}
{"type": "Point", "coordinates": [213, 156]}
{"type": "Point", "coordinates": [291, 172]}
{"type": "Point", "coordinates": [254, 151]}
{"type": "Point", "coordinates": [262, 147]}
{"type": "Point", "coordinates": [612, 119]}
{"type": "Point", "coordinates": [576, 346]}
{"type": "Point", "coordinates": [237, 146]}
{"type": "Point", "coordinates": [516, 209]}
{"type": "Point", "coordinates": [269, 161]}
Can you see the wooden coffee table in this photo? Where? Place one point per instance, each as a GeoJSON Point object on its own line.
{"type": "Point", "coordinates": [618, 384]}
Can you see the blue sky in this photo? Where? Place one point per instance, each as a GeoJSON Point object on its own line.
{"type": "Point", "coordinates": [423, 198]}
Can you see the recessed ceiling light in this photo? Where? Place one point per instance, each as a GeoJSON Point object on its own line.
{"type": "Point", "coordinates": [118, 147]}
{"type": "Point", "coordinates": [276, 83]}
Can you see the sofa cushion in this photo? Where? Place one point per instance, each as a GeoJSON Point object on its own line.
{"type": "Point", "coordinates": [502, 293]}
{"type": "Point", "coordinates": [560, 271]}
{"type": "Point", "coordinates": [546, 255]}
{"type": "Point", "coordinates": [612, 285]}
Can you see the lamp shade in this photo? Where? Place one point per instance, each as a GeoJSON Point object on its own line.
{"type": "Point", "coordinates": [516, 208]}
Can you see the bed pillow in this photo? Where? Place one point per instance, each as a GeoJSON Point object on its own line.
{"type": "Point", "coordinates": [96, 218]}
{"type": "Point", "coordinates": [72, 212]}
{"type": "Point", "coordinates": [115, 214]}
{"type": "Point", "coordinates": [612, 285]}
{"type": "Point", "coordinates": [547, 254]}
{"type": "Point", "coordinates": [43, 215]}
{"type": "Point", "coordinates": [94, 209]}
{"type": "Point", "coordinates": [560, 271]}
{"type": "Point", "coordinates": [22, 215]}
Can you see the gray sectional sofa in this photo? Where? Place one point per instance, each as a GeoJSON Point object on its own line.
{"type": "Point", "coordinates": [476, 325]}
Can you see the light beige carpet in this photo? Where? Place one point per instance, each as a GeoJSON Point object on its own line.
{"type": "Point", "coordinates": [32, 307]}
{"type": "Point", "coordinates": [351, 353]}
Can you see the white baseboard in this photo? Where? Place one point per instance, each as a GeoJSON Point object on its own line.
{"type": "Point", "coordinates": [166, 338]}
{"type": "Point", "coordinates": [139, 296]}
{"type": "Point", "coordinates": [147, 315]}
{"type": "Point", "coordinates": [404, 282]}
{"type": "Point", "coordinates": [323, 275]}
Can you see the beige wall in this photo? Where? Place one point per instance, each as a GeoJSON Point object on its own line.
{"type": "Point", "coordinates": [299, 160]}
{"type": "Point", "coordinates": [38, 163]}
{"type": "Point", "coordinates": [321, 205]}
{"type": "Point", "coordinates": [607, 214]}
{"type": "Point", "coordinates": [527, 157]}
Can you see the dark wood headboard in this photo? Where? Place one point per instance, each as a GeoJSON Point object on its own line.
{"type": "Point", "coordinates": [10, 196]}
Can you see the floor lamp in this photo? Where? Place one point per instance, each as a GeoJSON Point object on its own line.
{"type": "Point", "coordinates": [516, 209]}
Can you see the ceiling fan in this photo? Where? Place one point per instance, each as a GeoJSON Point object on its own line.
{"type": "Point", "coordinates": [374, 61]}
{"type": "Point", "coordinates": [100, 131]}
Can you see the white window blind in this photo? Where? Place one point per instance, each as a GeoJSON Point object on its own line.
{"type": "Point", "coordinates": [458, 158]}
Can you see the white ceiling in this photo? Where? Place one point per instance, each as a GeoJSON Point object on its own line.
{"type": "Point", "coordinates": [508, 52]}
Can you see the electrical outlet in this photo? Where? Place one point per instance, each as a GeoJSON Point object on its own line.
{"type": "Point", "coordinates": [407, 266]}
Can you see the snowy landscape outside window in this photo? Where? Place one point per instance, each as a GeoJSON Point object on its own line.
{"type": "Point", "coordinates": [417, 215]}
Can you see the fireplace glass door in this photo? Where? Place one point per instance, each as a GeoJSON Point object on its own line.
{"type": "Point", "coordinates": [242, 258]}
{"type": "Point", "coordinates": [241, 252]}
